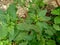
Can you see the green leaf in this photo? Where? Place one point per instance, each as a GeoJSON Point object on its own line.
{"type": "Point", "coordinates": [23, 43]}
{"type": "Point", "coordinates": [42, 41]}
{"type": "Point", "coordinates": [56, 11]}
{"type": "Point", "coordinates": [57, 20]}
{"type": "Point", "coordinates": [49, 32]}
{"type": "Point", "coordinates": [20, 36]}
{"type": "Point", "coordinates": [44, 18]}
{"type": "Point", "coordinates": [1, 12]}
{"type": "Point", "coordinates": [7, 17]}
{"type": "Point", "coordinates": [42, 13]}
{"type": "Point", "coordinates": [23, 26]}
{"type": "Point", "coordinates": [11, 32]}
{"type": "Point", "coordinates": [12, 11]}
{"type": "Point", "coordinates": [50, 42]}
{"type": "Point", "coordinates": [56, 27]}
{"type": "Point", "coordinates": [3, 31]}
{"type": "Point", "coordinates": [2, 16]}
{"type": "Point", "coordinates": [42, 25]}
{"type": "Point", "coordinates": [27, 27]}
{"type": "Point", "coordinates": [23, 36]}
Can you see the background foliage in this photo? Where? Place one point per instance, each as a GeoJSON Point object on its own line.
{"type": "Point", "coordinates": [37, 28]}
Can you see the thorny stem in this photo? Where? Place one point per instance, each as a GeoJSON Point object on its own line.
{"type": "Point", "coordinates": [57, 2]}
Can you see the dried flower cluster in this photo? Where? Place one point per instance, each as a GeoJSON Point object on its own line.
{"type": "Point", "coordinates": [4, 4]}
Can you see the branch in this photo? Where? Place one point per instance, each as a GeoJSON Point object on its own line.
{"type": "Point", "coordinates": [57, 2]}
